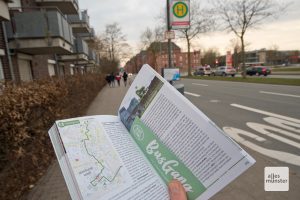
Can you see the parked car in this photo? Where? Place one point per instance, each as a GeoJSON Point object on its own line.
{"type": "Point", "coordinates": [202, 71]}
{"type": "Point", "coordinates": [224, 71]}
{"type": "Point", "coordinates": [258, 70]}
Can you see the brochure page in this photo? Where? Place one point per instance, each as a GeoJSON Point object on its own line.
{"type": "Point", "coordinates": [184, 130]}
{"type": "Point", "coordinates": [100, 160]}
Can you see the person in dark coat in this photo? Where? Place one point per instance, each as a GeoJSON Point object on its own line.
{"type": "Point", "coordinates": [107, 78]}
{"type": "Point", "coordinates": [125, 76]}
{"type": "Point", "coordinates": [112, 79]}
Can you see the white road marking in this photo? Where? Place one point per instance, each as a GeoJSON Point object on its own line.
{"type": "Point", "coordinates": [287, 125]}
{"type": "Point", "coordinates": [192, 94]}
{"type": "Point", "coordinates": [266, 113]}
{"type": "Point", "coordinates": [279, 94]}
{"type": "Point", "coordinates": [200, 84]}
{"type": "Point", "coordinates": [263, 129]}
{"type": "Point", "coordinates": [278, 155]}
{"type": "Point", "coordinates": [214, 101]}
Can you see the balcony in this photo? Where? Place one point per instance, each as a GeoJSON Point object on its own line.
{"type": "Point", "coordinates": [92, 57]}
{"type": "Point", "coordinates": [4, 14]}
{"type": "Point", "coordinates": [80, 22]}
{"type": "Point", "coordinates": [88, 37]}
{"type": "Point", "coordinates": [97, 60]}
{"type": "Point", "coordinates": [80, 52]}
{"type": "Point", "coordinates": [39, 32]}
{"type": "Point", "coordinates": [65, 6]}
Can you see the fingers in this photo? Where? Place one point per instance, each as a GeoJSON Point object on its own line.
{"type": "Point", "coordinates": [176, 191]}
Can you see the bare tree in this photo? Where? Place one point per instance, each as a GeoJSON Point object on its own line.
{"type": "Point", "coordinates": [151, 41]}
{"type": "Point", "coordinates": [201, 21]}
{"type": "Point", "coordinates": [235, 45]}
{"type": "Point", "coordinates": [115, 42]}
{"type": "Point", "coordinates": [241, 15]}
{"type": "Point", "coordinates": [210, 56]}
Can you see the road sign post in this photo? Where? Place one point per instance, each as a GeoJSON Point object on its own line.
{"type": "Point", "coordinates": [169, 39]}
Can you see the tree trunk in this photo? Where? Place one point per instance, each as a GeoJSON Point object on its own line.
{"type": "Point", "coordinates": [243, 57]}
{"type": "Point", "coordinates": [189, 57]}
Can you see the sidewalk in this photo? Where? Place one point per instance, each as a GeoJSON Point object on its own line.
{"type": "Point", "coordinates": [52, 186]}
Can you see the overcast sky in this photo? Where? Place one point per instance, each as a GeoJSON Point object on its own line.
{"type": "Point", "coordinates": [135, 15]}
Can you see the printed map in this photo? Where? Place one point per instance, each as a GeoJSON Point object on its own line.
{"type": "Point", "coordinates": [96, 164]}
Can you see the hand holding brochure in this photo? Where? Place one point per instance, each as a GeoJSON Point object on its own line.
{"type": "Point", "coordinates": [157, 136]}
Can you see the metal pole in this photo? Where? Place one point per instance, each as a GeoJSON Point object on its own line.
{"type": "Point", "coordinates": [169, 40]}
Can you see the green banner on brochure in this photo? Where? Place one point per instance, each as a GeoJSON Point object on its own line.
{"type": "Point", "coordinates": [167, 165]}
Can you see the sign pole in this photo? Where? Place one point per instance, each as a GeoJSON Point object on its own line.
{"type": "Point", "coordinates": [169, 40]}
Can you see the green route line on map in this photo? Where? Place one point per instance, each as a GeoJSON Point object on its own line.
{"type": "Point", "coordinates": [84, 143]}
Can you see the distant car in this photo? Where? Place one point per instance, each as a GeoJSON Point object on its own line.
{"type": "Point", "coordinates": [224, 71]}
{"type": "Point", "coordinates": [202, 71]}
{"type": "Point", "coordinates": [258, 70]}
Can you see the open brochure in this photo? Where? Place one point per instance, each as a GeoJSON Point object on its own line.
{"type": "Point", "coordinates": [157, 136]}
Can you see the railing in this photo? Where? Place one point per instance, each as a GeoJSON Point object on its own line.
{"type": "Point", "coordinates": [92, 55]}
{"type": "Point", "coordinates": [88, 35]}
{"type": "Point", "coordinates": [80, 46]}
{"type": "Point", "coordinates": [82, 17]}
{"type": "Point", "coordinates": [33, 23]}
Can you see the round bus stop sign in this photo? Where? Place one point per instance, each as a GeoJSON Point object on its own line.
{"type": "Point", "coordinates": [180, 9]}
{"type": "Point", "coordinates": [180, 16]}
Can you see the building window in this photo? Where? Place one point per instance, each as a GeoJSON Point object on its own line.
{"type": "Point", "coordinates": [25, 70]}
{"type": "Point", "coordinates": [51, 69]}
{"type": "Point", "coordinates": [72, 69]}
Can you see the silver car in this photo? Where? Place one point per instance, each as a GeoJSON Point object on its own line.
{"type": "Point", "coordinates": [224, 71]}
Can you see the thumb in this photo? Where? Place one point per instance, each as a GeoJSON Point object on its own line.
{"type": "Point", "coordinates": [176, 191]}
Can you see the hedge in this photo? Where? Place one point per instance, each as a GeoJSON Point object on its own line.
{"type": "Point", "coordinates": [27, 111]}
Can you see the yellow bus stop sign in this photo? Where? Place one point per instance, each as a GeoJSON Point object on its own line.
{"type": "Point", "coordinates": [180, 9]}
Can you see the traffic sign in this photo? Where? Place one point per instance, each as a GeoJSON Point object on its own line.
{"type": "Point", "coordinates": [180, 14]}
{"type": "Point", "coordinates": [169, 35]}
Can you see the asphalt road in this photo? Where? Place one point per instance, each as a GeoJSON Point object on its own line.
{"type": "Point", "coordinates": [266, 116]}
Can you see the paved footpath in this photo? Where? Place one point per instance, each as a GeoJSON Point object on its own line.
{"type": "Point", "coordinates": [249, 186]}
{"type": "Point", "coordinates": [52, 186]}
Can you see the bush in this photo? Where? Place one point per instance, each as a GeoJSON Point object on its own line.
{"type": "Point", "coordinates": [27, 112]}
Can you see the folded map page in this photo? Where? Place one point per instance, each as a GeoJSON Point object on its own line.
{"type": "Point", "coordinates": [157, 136]}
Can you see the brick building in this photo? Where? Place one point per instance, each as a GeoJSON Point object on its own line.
{"type": "Point", "coordinates": [44, 38]}
{"type": "Point", "coordinates": [157, 57]}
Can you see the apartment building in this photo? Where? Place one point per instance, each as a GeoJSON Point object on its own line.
{"type": "Point", "coordinates": [44, 38]}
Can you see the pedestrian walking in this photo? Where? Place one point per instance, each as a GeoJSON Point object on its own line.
{"type": "Point", "coordinates": [118, 78]}
{"type": "Point", "coordinates": [112, 79]}
{"type": "Point", "coordinates": [125, 76]}
{"type": "Point", "coordinates": [107, 78]}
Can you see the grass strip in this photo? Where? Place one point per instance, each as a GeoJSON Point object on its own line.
{"type": "Point", "coordinates": [274, 81]}
{"type": "Point", "coordinates": [296, 69]}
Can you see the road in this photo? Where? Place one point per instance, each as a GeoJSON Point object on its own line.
{"type": "Point", "coordinates": [264, 119]}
